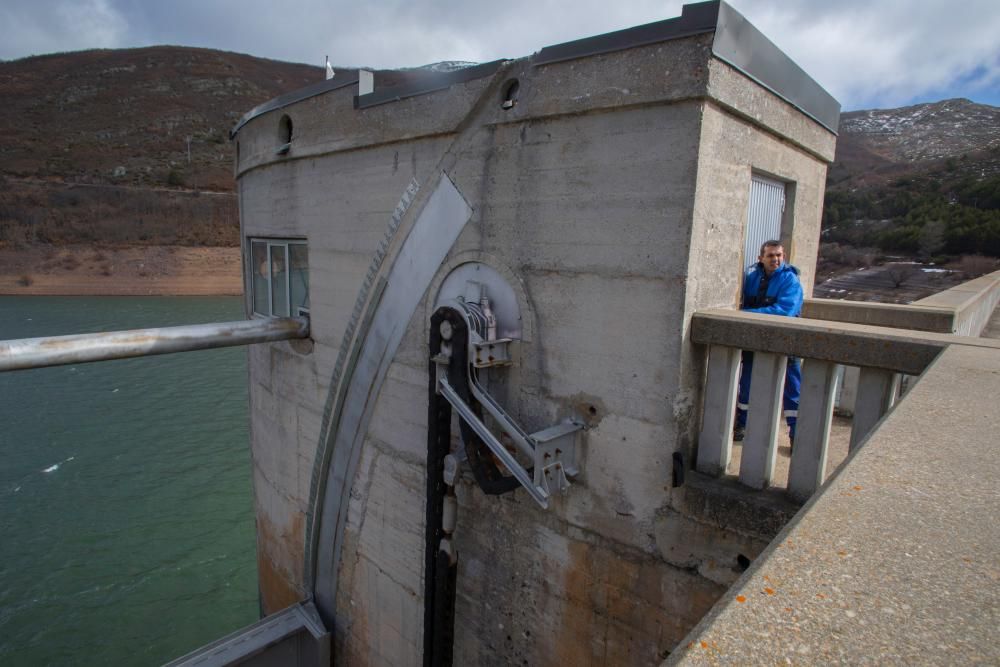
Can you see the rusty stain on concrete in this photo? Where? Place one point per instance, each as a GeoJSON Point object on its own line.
{"type": "Point", "coordinates": [278, 587]}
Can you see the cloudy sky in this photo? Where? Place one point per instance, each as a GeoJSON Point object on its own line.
{"type": "Point", "coordinates": [867, 53]}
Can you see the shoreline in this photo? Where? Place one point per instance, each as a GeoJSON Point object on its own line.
{"type": "Point", "coordinates": [125, 271]}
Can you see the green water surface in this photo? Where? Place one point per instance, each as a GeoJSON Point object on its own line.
{"type": "Point", "coordinates": [126, 518]}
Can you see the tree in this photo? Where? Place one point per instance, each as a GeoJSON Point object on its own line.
{"type": "Point", "coordinates": [932, 240]}
{"type": "Point", "coordinates": [898, 273]}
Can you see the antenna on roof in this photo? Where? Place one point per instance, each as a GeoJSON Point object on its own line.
{"type": "Point", "coordinates": [329, 69]}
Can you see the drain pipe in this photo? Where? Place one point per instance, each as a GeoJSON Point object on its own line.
{"type": "Point", "coordinates": [82, 348]}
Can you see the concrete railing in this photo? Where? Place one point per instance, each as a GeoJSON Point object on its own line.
{"type": "Point", "coordinates": [964, 309]}
{"type": "Point", "coordinates": [894, 560]}
{"type": "Point", "coordinates": [971, 303]}
{"type": "Point", "coordinates": [881, 353]}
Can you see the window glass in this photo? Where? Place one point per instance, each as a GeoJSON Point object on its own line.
{"type": "Point", "coordinates": [258, 277]}
{"type": "Point", "coordinates": [279, 277]}
{"type": "Point", "coordinates": [279, 280]}
{"type": "Point", "coordinates": [298, 276]}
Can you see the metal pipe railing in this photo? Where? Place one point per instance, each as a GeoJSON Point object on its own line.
{"type": "Point", "coordinates": [83, 348]}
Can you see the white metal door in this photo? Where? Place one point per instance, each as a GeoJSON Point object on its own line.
{"type": "Point", "coordinates": [767, 206]}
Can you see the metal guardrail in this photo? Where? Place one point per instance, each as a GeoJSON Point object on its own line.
{"type": "Point", "coordinates": [27, 353]}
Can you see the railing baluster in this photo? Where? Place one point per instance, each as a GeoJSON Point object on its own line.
{"type": "Point", "coordinates": [715, 442]}
{"type": "Point", "coordinates": [877, 390]}
{"type": "Point", "coordinates": [812, 432]}
{"type": "Point", "coordinates": [848, 390]}
{"type": "Point", "coordinates": [760, 447]}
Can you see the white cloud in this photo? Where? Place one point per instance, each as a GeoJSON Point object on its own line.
{"type": "Point", "coordinates": [34, 28]}
{"type": "Point", "coordinates": [865, 52]}
{"type": "Point", "coordinates": [888, 52]}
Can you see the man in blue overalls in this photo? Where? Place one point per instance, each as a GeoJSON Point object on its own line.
{"type": "Point", "coordinates": [771, 287]}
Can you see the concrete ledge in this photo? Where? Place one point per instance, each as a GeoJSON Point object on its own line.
{"type": "Point", "coordinates": [726, 504]}
{"type": "Point", "coordinates": [895, 560]}
{"type": "Point", "coordinates": [938, 319]}
{"type": "Point", "coordinates": [896, 350]}
{"type": "Point", "coordinates": [972, 302]}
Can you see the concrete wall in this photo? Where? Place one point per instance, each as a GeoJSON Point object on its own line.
{"type": "Point", "coordinates": [615, 193]}
{"type": "Point", "coordinates": [972, 303]}
{"type": "Point", "coordinates": [334, 205]}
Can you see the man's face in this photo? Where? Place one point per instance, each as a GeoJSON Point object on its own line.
{"type": "Point", "coordinates": [772, 258]}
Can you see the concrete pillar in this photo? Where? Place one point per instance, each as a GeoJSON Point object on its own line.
{"type": "Point", "coordinates": [877, 390]}
{"type": "Point", "coordinates": [760, 447]}
{"type": "Point", "coordinates": [812, 432]}
{"type": "Point", "coordinates": [848, 392]}
{"type": "Point", "coordinates": [715, 442]}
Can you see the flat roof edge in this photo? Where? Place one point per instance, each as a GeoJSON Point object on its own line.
{"type": "Point", "coordinates": [285, 100]}
{"type": "Point", "coordinates": [736, 42]}
{"type": "Point", "coordinates": [445, 80]}
{"type": "Point", "coordinates": [695, 19]}
{"type": "Point", "coordinates": [740, 44]}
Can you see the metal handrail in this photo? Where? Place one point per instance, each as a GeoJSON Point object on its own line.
{"type": "Point", "coordinates": [27, 353]}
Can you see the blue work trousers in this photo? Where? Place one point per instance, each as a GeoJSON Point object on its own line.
{"type": "Point", "coordinates": [790, 398]}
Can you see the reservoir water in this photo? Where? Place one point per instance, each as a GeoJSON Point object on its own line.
{"type": "Point", "coordinates": [126, 517]}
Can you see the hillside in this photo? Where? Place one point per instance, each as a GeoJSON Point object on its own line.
{"type": "Point", "coordinates": [880, 140]}
{"type": "Point", "coordinates": [114, 149]}
{"type": "Point", "coordinates": [922, 181]}
{"type": "Point", "coordinates": [116, 167]}
{"type": "Point", "coordinates": [129, 117]}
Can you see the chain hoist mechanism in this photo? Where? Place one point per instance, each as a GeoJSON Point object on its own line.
{"type": "Point", "coordinates": [474, 304]}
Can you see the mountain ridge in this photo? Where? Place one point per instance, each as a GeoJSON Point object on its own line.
{"type": "Point", "coordinates": [150, 126]}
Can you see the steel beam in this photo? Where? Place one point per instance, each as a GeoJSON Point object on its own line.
{"type": "Point", "coordinates": [26, 353]}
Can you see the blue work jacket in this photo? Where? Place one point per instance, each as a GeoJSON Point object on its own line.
{"type": "Point", "coordinates": [784, 291]}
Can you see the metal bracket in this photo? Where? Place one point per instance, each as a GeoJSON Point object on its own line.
{"type": "Point", "coordinates": [540, 495]}
{"type": "Point", "coordinates": [487, 354]}
{"type": "Point", "coordinates": [552, 450]}
{"type": "Point", "coordinates": [555, 455]}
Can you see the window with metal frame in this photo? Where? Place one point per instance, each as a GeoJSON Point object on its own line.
{"type": "Point", "coordinates": [279, 277]}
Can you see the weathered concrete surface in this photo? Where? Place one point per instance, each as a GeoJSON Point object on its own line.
{"type": "Point", "coordinates": [615, 194]}
{"type": "Point", "coordinates": [963, 309]}
{"type": "Point", "coordinates": [992, 329]}
{"type": "Point", "coordinates": [899, 316]}
{"type": "Point", "coordinates": [972, 302]}
{"type": "Point", "coordinates": [853, 344]}
{"type": "Point", "coordinates": [344, 219]}
{"type": "Point", "coordinates": [728, 87]}
{"type": "Point", "coordinates": [895, 561]}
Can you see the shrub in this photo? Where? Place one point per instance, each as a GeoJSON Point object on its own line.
{"type": "Point", "coordinates": [25, 281]}
{"type": "Point", "coordinates": [175, 178]}
{"type": "Point", "coordinates": [973, 266]}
